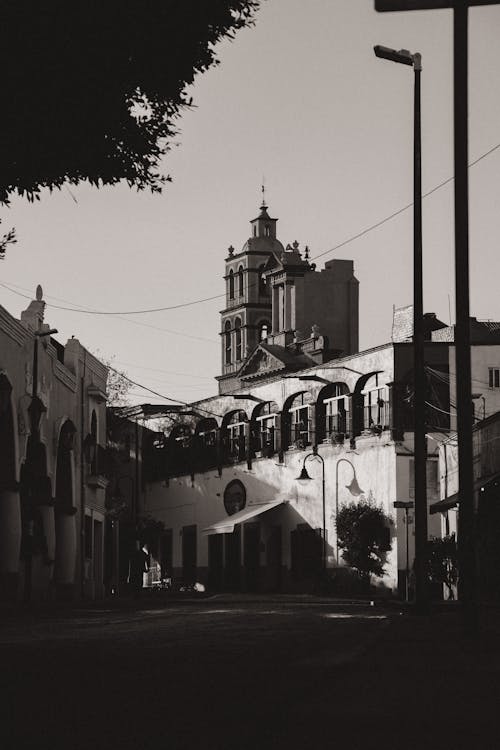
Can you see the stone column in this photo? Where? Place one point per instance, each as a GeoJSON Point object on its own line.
{"type": "Point", "coordinates": [65, 562]}
{"type": "Point", "coordinates": [287, 323]}
{"type": "Point", "coordinates": [10, 541]}
{"type": "Point", "coordinates": [275, 307]}
{"type": "Point", "coordinates": [49, 529]}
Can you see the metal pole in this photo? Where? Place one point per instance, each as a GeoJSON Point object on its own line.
{"type": "Point", "coordinates": [466, 545]}
{"type": "Point", "coordinates": [137, 483]}
{"type": "Point", "coordinates": [29, 526]}
{"type": "Point", "coordinates": [82, 476]}
{"type": "Point", "coordinates": [337, 512]}
{"type": "Point", "coordinates": [324, 515]}
{"type": "Point", "coordinates": [407, 575]}
{"type": "Point", "coordinates": [420, 444]}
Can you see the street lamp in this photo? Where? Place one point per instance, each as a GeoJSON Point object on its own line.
{"type": "Point", "coordinates": [406, 505]}
{"type": "Point", "coordinates": [304, 476]}
{"type": "Point", "coordinates": [405, 57]}
{"type": "Point", "coordinates": [353, 488]}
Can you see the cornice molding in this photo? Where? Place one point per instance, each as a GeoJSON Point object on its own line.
{"type": "Point", "coordinates": [13, 328]}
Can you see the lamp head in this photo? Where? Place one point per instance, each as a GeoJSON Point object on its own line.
{"type": "Point", "coordinates": [402, 56]}
{"type": "Point", "coordinates": [304, 476]}
{"type": "Point", "coordinates": [354, 487]}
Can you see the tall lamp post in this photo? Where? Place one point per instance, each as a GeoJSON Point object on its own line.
{"type": "Point", "coordinates": [305, 476]}
{"type": "Point", "coordinates": [420, 447]}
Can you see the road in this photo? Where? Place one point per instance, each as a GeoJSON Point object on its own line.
{"type": "Point", "coordinates": [241, 674]}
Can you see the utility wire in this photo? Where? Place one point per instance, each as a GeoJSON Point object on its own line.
{"type": "Point", "coordinates": [401, 210]}
{"type": "Point", "coordinates": [320, 255]}
{"type": "Point", "coordinates": [119, 317]}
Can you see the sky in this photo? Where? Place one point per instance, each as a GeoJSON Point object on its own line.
{"type": "Point", "coordinates": [301, 101]}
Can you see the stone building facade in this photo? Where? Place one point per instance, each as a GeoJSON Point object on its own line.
{"type": "Point", "coordinates": [52, 439]}
{"type": "Point", "coordinates": [235, 516]}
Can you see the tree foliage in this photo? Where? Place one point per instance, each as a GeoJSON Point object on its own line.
{"type": "Point", "coordinates": [442, 562]}
{"type": "Point", "coordinates": [117, 384]}
{"type": "Point", "coordinates": [9, 238]}
{"type": "Point", "coordinates": [93, 90]}
{"type": "Point", "coordinates": [363, 535]}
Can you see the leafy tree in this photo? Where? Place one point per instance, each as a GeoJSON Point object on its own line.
{"type": "Point", "coordinates": [117, 387]}
{"type": "Point", "coordinates": [363, 535]}
{"type": "Point", "coordinates": [117, 384]}
{"type": "Point", "coordinates": [442, 562]}
{"type": "Point", "coordinates": [93, 90]}
{"type": "Point", "coordinates": [9, 238]}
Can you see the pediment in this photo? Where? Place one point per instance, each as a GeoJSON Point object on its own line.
{"type": "Point", "coordinates": [273, 263]}
{"type": "Point", "coordinates": [261, 362]}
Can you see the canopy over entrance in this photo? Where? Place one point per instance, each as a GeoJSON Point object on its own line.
{"type": "Point", "coordinates": [226, 526]}
{"type": "Point", "coordinates": [452, 501]}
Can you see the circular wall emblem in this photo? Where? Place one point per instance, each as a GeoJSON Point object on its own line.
{"type": "Point", "coordinates": [235, 497]}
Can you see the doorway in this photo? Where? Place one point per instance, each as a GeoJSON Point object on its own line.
{"type": "Point", "coordinates": [251, 556]}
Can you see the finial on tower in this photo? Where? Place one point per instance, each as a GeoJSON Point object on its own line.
{"type": "Point", "coordinates": [263, 188]}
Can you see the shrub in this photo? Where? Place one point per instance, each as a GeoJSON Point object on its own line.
{"type": "Point", "coordinates": [364, 536]}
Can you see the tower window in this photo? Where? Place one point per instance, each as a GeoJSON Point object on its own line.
{"type": "Point", "coordinates": [267, 230]}
{"type": "Point", "coordinates": [262, 281]}
{"type": "Point", "coordinates": [240, 281]}
{"type": "Point", "coordinates": [254, 231]}
{"type": "Point", "coordinates": [231, 284]}
{"type": "Point", "coordinates": [237, 326]}
{"type": "Point", "coordinates": [227, 342]}
{"type": "Point", "coordinates": [264, 330]}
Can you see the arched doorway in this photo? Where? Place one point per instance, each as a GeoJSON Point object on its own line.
{"type": "Point", "coordinates": [65, 510]}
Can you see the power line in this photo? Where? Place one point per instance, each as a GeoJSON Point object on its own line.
{"type": "Point", "coordinates": [320, 255]}
{"type": "Point", "coordinates": [118, 317]}
{"type": "Point", "coordinates": [401, 210]}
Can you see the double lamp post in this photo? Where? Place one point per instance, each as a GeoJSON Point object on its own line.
{"type": "Point", "coordinates": [353, 488]}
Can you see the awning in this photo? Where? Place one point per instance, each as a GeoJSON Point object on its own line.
{"type": "Point", "coordinates": [226, 526]}
{"type": "Point", "coordinates": [453, 500]}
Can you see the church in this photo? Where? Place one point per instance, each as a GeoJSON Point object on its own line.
{"type": "Point", "coordinates": [294, 391]}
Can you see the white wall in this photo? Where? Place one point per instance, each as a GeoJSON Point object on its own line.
{"type": "Point", "coordinates": [184, 503]}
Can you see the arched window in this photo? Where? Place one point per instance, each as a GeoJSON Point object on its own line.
{"type": "Point", "coordinates": [264, 330]}
{"type": "Point", "coordinates": [237, 326]}
{"type": "Point", "coordinates": [376, 403]}
{"type": "Point", "coordinates": [227, 342]}
{"type": "Point", "coordinates": [263, 428]}
{"type": "Point", "coordinates": [254, 231]}
{"type": "Point", "coordinates": [234, 428]}
{"type": "Point", "coordinates": [333, 407]}
{"type": "Point", "coordinates": [206, 443]}
{"type": "Point", "coordinates": [231, 284]}
{"type": "Point", "coordinates": [300, 420]}
{"type": "Point", "coordinates": [240, 281]}
{"type": "Point", "coordinates": [267, 230]}
{"type": "Point", "coordinates": [179, 450]}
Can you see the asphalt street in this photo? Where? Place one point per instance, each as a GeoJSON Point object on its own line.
{"type": "Point", "coordinates": [245, 674]}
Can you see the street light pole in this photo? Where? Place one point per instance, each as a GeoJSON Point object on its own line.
{"type": "Point", "coordinates": [305, 475]}
{"type": "Point", "coordinates": [419, 439]}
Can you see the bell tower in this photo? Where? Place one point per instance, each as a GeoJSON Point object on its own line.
{"type": "Point", "coordinates": [246, 317]}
